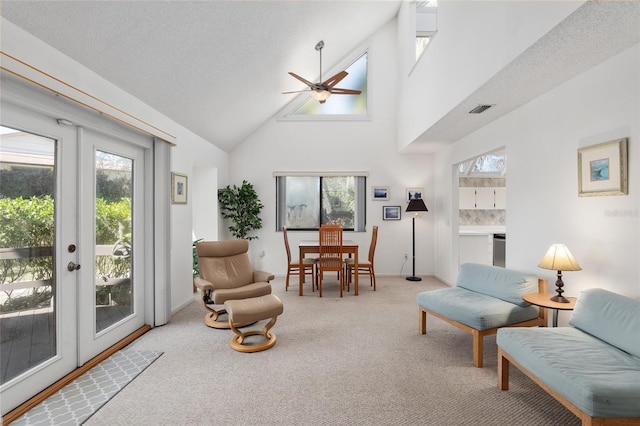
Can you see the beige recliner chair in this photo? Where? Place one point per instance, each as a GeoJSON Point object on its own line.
{"type": "Point", "coordinates": [226, 274]}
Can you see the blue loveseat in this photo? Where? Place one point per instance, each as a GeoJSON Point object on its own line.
{"type": "Point", "coordinates": [591, 367]}
{"type": "Point", "coordinates": [484, 299]}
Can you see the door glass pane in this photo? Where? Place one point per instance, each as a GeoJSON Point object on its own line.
{"type": "Point", "coordinates": [113, 262]}
{"type": "Point", "coordinates": [27, 274]}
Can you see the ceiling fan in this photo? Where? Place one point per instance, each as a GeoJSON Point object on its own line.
{"type": "Point", "coordinates": [321, 91]}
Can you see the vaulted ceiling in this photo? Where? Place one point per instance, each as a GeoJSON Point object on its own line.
{"type": "Point", "coordinates": [218, 67]}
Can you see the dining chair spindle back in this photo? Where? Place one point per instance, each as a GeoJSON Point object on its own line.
{"type": "Point", "coordinates": [365, 267]}
{"type": "Point", "coordinates": [293, 265]}
{"type": "Point", "coordinates": [330, 254]}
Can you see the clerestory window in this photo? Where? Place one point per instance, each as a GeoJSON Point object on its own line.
{"type": "Point", "coordinates": [426, 24]}
{"type": "Point", "coordinates": [485, 165]}
{"type": "Point", "coordinates": [340, 105]}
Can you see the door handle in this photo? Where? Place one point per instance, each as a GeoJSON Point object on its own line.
{"type": "Point", "coordinates": [73, 266]}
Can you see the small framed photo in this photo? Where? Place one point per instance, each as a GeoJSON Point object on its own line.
{"type": "Point", "coordinates": [380, 193]}
{"type": "Point", "coordinates": [178, 188]}
{"type": "Point", "coordinates": [414, 194]}
{"type": "Point", "coordinates": [391, 213]}
{"type": "Point", "coordinates": [602, 169]}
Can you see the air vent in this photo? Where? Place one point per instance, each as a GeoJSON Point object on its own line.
{"type": "Point", "coordinates": [479, 109]}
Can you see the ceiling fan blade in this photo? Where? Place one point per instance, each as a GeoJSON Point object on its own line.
{"type": "Point", "coordinates": [338, 91]}
{"type": "Point", "coordinates": [296, 91]}
{"type": "Point", "coordinates": [308, 83]}
{"type": "Point", "coordinates": [332, 81]}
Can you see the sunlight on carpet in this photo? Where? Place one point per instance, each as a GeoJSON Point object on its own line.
{"type": "Point", "coordinates": [80, 399]}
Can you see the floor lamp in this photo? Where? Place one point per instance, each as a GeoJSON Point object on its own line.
{"type": "Point", "coordinates": [415, 206]}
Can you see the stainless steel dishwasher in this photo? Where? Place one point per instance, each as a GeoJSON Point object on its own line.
{"type": "Point", "coordinates": [499, 249]}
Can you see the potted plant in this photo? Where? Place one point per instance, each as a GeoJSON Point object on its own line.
{"type": "Point", "coordinates": [241, 205]}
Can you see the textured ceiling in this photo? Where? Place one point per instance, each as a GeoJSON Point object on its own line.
{"type": "Point", "coordinates": [216, 67]}
{"type": "Point", "coordinates": [219, 67]}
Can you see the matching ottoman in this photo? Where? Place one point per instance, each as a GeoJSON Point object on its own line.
{"type": "Point", "coordinates": [248, 311]}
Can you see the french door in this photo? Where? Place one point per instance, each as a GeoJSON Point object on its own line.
{"type": "Point", "coordinates": [73, 245]}
{"type": "Point", "coordinates": [38, 294]}
{"type": "Point", "coordinates": [111, 223]}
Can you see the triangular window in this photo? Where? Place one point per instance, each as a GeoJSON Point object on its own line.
{"type": "Point", "coordinates": [341, 104]}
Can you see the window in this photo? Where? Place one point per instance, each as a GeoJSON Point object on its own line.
{"type": "Point", "coordinates": [304, 202]}
{"type": "Point", "coordinates": [488, 164]}
{"type": "Point", "coordinates": [341, 104]}
{"type": "Point", "coordinates": [421, 45]}
{"type": "Point", "coordinates": [426, 24]}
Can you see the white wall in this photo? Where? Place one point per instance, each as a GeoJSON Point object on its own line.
{"type": "Point", "coordinates": [543, 207]}
{"type": "Point", "coordinates": [475, 40]}
{"type": "Point", "coordinates": [335, 145]}
{"type": "Point", "coordinates": [204, 193]}
{"type": "Point", "coordinates": [191, 152]}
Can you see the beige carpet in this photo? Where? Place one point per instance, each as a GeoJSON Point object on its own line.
{"type": "Point", "coordinates": [350, 361]}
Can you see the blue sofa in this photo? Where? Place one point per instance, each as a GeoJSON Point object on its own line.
{"type": "Point", "coordinates": [484, 299]}
{"type": "Point", "coordinates": [591, 367]}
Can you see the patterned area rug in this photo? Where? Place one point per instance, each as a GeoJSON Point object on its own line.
{"type": "Point", "coordinates": [78, 400]}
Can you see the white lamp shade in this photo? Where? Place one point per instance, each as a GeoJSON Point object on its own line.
{"type": "Point", "coordinates": [559, 258]}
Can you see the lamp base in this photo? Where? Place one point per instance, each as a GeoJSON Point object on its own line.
{"type": "Point", "coordinates": [560, 299]}
{"type": "Point", "coordinates": [414, 279]}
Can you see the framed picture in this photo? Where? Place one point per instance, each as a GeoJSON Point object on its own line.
{"type": "Point", "coordinates": [414, 194]}
{"type": "Point", "coordinates": [391, 213]}
{"type": "Point", "coordinates": [178, 188]}
{"type": "Point", "coordinates": [380, 193]}
{"type": "Point", "coordinates": [602, 169]}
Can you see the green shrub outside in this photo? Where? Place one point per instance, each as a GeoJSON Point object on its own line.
{"type": "Point", "coordinates": [29, 222]}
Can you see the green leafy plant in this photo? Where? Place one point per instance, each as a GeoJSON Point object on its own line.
{"type": "Point", "coordinates": [241, 205]}
{"type": "Point", "coordinates": [29, 222]}
{"type": "Point", "coordinates": [196, 268]}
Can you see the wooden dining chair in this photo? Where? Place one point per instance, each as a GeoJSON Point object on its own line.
{"type": "Point", "coordinates": [366, 267]}
{"type": "Point", "coordinates": [293, 268]}
{"type": "Point", "coordinates": [330, 259]}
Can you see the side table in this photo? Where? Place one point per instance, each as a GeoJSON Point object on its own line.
{"type": "Point", "coordinates": [544, 300]}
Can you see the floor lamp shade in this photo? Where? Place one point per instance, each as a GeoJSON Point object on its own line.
{"type": "Point", "coordinates": [415, 206]}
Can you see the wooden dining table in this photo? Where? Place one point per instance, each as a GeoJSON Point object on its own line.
{"type": "Point", "coordinates": [313, 246]}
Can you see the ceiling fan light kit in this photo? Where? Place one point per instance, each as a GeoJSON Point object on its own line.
{"type": "Point", "coordinates": [321, 91]}
{"type": "Point", "coordinates": [320, 95]}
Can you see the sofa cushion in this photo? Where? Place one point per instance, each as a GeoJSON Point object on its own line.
{"type": "Point", "coordinates": [600, 379]}
{"type": "Point", "coordinates": [505, 284]}
{"type": "Point", "coordinates": [610, 317]}
{"type": "Point", "coordinates": [474, 309]}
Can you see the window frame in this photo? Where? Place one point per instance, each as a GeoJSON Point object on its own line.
{"type": "Point", "coordinates": [288, 113]}
{"type": "Point", "coordinates": [360, 209]}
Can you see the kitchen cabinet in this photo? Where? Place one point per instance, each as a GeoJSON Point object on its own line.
{"type": "Point", "coordinates": [486, 198]}
{"type": "Point", "coordinates": [501, 198]}
{"type": "Point", "coordinates": [467, 198]}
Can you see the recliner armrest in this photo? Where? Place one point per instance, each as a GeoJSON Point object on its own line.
{"type": "Point", "coordinates": [203, 284]}
{"type": "Point", "coordinates": [260, 276]}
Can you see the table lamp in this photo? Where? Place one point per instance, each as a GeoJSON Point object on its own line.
{"type": "Point", "coordinates": [559, 258]}
{"type": "Point", "coordinates": [415, 206]}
